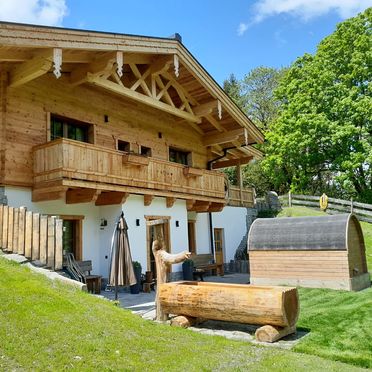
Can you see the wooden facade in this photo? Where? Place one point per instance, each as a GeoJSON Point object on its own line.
{"type": "Point", "coordinates": [149, 94]}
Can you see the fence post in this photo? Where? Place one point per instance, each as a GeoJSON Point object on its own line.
{"type": "Point", "coordinates": [289, 199]}
{"type": "Point", "coordinates": [352, 205]}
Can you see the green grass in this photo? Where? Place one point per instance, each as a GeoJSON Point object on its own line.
{"type": "Point", "coordinates": [47, 326]}
{"type": "Point", "coordinates": [340, 321]}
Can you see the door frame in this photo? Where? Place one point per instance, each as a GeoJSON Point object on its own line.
{"type": "Point", "coordinates": [166, 237]}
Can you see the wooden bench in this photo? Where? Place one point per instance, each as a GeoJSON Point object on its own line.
{"type": "Point", "coordinates": [80, 271]}
{"type": "Point", "coordinates": [204, 263]}
{"type": "Point", "coordinates": [93, 282]}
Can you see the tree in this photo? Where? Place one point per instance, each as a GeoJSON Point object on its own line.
{"type": "Point", "coordinates": [324, 125]}
{"type": "Point", "coordinates": [259, 101]}
{"type": "Point", "coordinates": [233, 87]}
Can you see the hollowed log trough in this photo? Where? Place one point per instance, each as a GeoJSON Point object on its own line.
{"type": "Point", "coordinates": [277, 308]}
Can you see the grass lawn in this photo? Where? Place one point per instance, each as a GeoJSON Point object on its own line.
{"type": "Point", "coordinates": [47, 326]}
{"type": "Point", "coordinates": [340, 321]}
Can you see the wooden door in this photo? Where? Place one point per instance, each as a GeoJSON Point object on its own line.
{"type": "Point", "coordinates": [219, 245]}
{"type": "Point", "coordinates": [157, 227]}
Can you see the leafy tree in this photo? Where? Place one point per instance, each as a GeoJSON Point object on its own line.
{"type": "Point", "coordinates": [259, 102]}
{"type": "Point", "coordinates": [324, 126]}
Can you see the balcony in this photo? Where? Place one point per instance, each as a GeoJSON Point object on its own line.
{"type": "Point", "coordinates": [244, 197]}
{"type": "Point", "coordinates": [83, 172]}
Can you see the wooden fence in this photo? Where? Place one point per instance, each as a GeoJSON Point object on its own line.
{"type": "Point", "coordinates": [33, 235]}
{"type": "Point", "coordinates": [361, 210]}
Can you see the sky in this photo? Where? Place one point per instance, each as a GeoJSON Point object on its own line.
{"type": "Point", "coordinates": [226, 37]}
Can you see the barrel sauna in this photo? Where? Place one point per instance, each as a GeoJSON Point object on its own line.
{"type": "Point", "coordinates": [318, 252]}
{"type": "Point", "coordinates": [239, 303]}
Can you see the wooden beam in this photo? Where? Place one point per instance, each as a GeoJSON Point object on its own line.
{"type": "Point", "coordinates": [215, 139]}
{"type": "Point", "coordinates": [215, 123]}
{"type": "Point", "coordinates": [111, 198]}
{"type": "Point", "coordinates": [31, 69]}
{"type": "Point", "coordinates": [126, 92]}
{"type": "Point", "coordinates": [200, 206]}
{"type": "Point", "coordinates": [170, 202]}
{"type": "Point", "coordinates": [45, 195]}
{"type": "Point", "coordinates": [232, 162]}
{"type": "Point", "coordinates": [190, 203]}
{"type": "Point", "coordinates": [205, 108]}
{"type": "Point", "coordinates": [74, 196]}
{"type": "Point", "coordinates": [102, 65]}
{"type": "Point", "coordinates": [147, 200]}
{"type": "Point", "coordinates": [216, 207]}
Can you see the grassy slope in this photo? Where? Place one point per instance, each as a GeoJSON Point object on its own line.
{"type": "Point", "coordinates": [340, 322]}
{"type": "Point", "coordinates": [46, 326]}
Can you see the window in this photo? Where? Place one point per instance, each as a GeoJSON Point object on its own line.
{"type": "Point", "coordinates": [123, 146]}
{"type": "Point", "coordinates": [145, 151]}
{"type": "Point", "coordinates": [179, 156]}
{"type": "Point", "coordinates": [61, 127]}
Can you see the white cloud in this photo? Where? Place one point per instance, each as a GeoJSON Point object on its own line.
{"type": "Point", "coordinates": [242, 28]}
{"type": "Point", "coordinates": [42, 12]}
{"type": "Point", "coordinates": [307, 9]}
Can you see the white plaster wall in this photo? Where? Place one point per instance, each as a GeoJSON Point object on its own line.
{"type": "Point", "coordinates": [97, 240]}
{"type": "Point", "coordinates": [231, 219]}
{"type": "Point", "coordinates": [91, 233]}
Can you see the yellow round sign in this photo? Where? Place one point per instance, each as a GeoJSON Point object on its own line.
{"type": "Point", "coordinates": [323, 202]}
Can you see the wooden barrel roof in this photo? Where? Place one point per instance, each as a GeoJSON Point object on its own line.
{"type": "Point", "coordinates": [301, 233]}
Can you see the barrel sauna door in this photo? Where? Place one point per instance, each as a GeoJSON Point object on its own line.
{"type": "Point", "coordinates": [219, 245]}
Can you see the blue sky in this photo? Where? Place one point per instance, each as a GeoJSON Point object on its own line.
{"type": "Point", "coordinates": [225, 36]}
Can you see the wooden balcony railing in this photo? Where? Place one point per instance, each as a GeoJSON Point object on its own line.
{"type": "Point", "coordinates": [69, 161]}
{"type": "Point", "coordinates": [241, 197]}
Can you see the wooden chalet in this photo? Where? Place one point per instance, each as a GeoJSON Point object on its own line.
{"type": "Point", "coordinates": [96, 118]}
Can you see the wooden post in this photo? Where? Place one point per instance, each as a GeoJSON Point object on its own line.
{"type": "Point", "coordinates": [162, 261]}
{"type": "Point", "coordinates": [35, 251]}
{"type": "Point", "coordinates": [1, 225]}
{"type": "Point", "coordinates": [21, 230]}
{"type": "Point", "coordinates": [10, 229]}
{"type": "Point", "coordinates": [28, 235]}
{"type": "Point", "coordinates": [43, 239]}
{"type": "Point", "coordinates": [15, 230]}
{"type": "Point", "coordinates": [51, 242]}
{"type": "Point", "coordinates": [290, 199]}
{"type": "Point", "coordinates": [239, 179]}
{"type": "Point", "coordinates": [352, 205]}
{"type": "Point", "coordinates": [5, 227]}
{"type": "Point", "coordinates": [58, 245]}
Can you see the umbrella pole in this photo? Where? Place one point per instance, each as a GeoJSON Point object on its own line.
{"type": "Point", "coordinates": [116, 268]}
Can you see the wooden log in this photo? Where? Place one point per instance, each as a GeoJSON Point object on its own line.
{"type": "Point", "coordinates": [51, 242]}
{"type": "Point", "coordinates": [58, 245]}
{"type": "Point", "coordinates": [277, 306]}
{"type": "Point", "coordinates": [28, 235]}
{"type": "Point", "coordinates": [1, 224]}
{"type": "Point", "coordinates": [35, 236]}
{"type": "Point", "coordinates": [184, 321]}
{"type": "Point", "coordinates": [43, 239]}
{"type": "Point", "coordinates": [4, 244]}
{"type": "Point", "coordinates": [21, 230]}
{"type": "Point", "coordinates": [270, 333]}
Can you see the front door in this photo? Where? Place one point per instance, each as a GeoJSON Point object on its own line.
{"type": "Point", "coordinates": [219, 245]}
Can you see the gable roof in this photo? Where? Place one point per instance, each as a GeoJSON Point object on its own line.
{"type": "Point", "coordinates": [199, 95]}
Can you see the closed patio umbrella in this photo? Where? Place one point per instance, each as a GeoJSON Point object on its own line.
{"type": "Point", "coordinates": [121, 266]}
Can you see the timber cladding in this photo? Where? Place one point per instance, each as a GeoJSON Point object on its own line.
{"type": "Point", "coordinates": [321, 251]}
{"type": "Point", "coordinates": [27, 112]}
